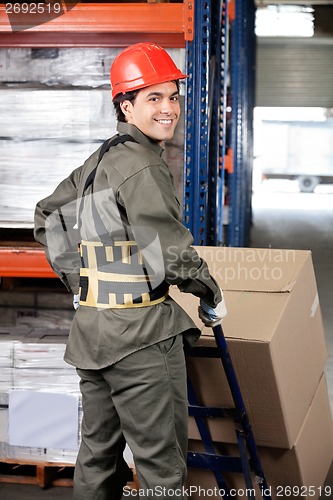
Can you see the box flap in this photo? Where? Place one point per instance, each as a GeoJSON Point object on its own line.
{"type": "Point", "coordinates": [248, 317]}
{"type": "Point", "coordinates": [254, 269]}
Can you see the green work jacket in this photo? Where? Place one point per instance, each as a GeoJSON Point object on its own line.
{"type": "Point", "coordinates": [136, 184]}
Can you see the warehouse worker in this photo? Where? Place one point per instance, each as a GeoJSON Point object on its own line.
{"type": "Point", "coordinates": [127, 336]}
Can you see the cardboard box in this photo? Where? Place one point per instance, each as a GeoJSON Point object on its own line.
{"type": "Point", "coordinates": [275, 336]}
{"type": "Point", "coordinates": [299, 472]}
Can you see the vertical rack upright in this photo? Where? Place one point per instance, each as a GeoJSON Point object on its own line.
{"type": "Point", "coordinates": [223, 50]}
{"type": "Point", "coordinates": [242, 71]}
{"type": "Point", "coordinates": [205, 123]}
{"type": "Point", "coordinates": [196, 154]}
{"type": "Point", "coordinates": [205, 110]}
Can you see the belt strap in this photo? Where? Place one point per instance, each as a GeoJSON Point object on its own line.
{"type": "Point", "coordinates": [120, 139]}
{"type": "Point", "coordinates": [102, 283]}
{"type": "Point", "coordinates": [115, 276]}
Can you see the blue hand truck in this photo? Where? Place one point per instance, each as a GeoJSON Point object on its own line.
{"type": "Point", "coordinates": [248, 462]}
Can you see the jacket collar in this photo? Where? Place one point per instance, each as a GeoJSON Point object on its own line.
{"type": "Point", "coordinates": [128, 128]}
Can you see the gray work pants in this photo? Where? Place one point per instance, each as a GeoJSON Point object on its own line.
{"type": "Point", "coordinates": [141, 400]}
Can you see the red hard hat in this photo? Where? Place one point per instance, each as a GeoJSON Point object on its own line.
{"type": "Point", "coordinates": [142, 65]}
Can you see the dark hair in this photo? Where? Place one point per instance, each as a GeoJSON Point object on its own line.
{"type": "Point", "coordinates": [129, 96]}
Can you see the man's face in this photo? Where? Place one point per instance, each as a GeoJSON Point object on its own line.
{"type": "Point", "coordinates": [155, 111]}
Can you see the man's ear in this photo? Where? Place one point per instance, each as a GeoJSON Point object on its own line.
{"type": "Point", "coordinates": [126, 107]}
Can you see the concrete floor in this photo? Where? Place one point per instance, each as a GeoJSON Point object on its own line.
{"type": "Point", "coordinates": [282, 218]}
{"type": "Point", "coordinates": [28, 492]}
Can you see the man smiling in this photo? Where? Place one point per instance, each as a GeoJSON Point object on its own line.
{"type": "Point", "coordinates": [156, 111]}
{"type": "Point", "coordinates": [127, 336]}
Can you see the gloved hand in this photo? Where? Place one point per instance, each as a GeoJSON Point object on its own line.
{"type": "Point", "coordinates": [211, 316]}
{"type": "Point", "coordinates": [76, 304]}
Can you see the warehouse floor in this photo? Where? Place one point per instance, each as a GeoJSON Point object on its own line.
{"type": "Point", "coordinates": [282, 218]}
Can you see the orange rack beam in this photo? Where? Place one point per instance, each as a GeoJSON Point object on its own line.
{"type": "Point", "coordinates": [21, 262]}
{"type": "Point", "coordinates": [112, 23]}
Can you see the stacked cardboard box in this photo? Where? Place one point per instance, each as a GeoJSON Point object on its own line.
{"type": "Point", "coordinates": [275, 336]}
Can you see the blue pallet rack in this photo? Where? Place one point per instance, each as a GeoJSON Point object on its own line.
{"type": "Point", "coordinates": [204, 184]}
{"type": "Point", "coordinates": [219, 50]}
{"type": "Point", "coordinates": [242, 71]}
{"type": "Point", "coordinates": [217, 115]}
{"type": "Point", "coordinates": [196, 152]}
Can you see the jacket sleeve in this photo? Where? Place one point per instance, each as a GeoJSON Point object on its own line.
{"type": "Point", "coordinates": [55, 229]}
{"type": "Point", "coordinates": [151, 207]}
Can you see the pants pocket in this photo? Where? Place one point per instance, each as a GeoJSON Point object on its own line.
{"type": "Point", "coordinates": [166, 346]}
